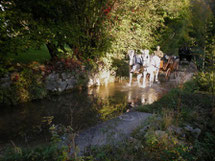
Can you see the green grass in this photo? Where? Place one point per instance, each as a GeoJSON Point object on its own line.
{"type": "Point", "coordinates": [189, 106]}
{"type": "Point", "coordinates": [39, 55]}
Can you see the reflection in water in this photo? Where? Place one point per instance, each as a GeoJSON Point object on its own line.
{"type": "Point", "coordinates": [134, 95]}
{"type": "Point", "coordinates": [78, 109]}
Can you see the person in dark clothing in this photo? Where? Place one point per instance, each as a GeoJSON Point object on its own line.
{"type": "Point", "coordinates": [185, 53]}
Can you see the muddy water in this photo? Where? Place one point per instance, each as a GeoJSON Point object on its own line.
{"type": "Point", "coordinates": [80, 109]}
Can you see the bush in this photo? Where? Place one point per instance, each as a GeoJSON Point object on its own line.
{"type": "Point", "coordinates": [46, 153]}
{"type": "Point", "coordinates": [206, 81]}
{"type": "Point", "coordinates": [25, 84]}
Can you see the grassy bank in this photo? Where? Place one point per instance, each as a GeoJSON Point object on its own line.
{"type": "Point", "coordinates": [182, 128]}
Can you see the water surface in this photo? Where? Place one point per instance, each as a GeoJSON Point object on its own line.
{"type": "Point", "coordinates": [80, 109]}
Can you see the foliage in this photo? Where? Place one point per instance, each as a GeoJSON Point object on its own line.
{"type": "Point", "coordinates": [177, 28]}
{"type": "Point", "coordinates": [138, 24]}
{"type": "Point", "coordinates": [48, 153]}
{"type": "Point", "coordinates": [205, 147]}
{"type": "Point", "coordinates": [25, 84]}
{"type": "Point", "coordinates": [122, 68]}
{"type": "Point", "coordinates": [144, 146]}
{"type": "Point", "coordinates": [44, 22]}
{"type": "Point", "coordinates": [188, 104]}
{"type": "Point", "coordinates": [206, 81]}
{"type": "Point", "coordinates": [91, 28]}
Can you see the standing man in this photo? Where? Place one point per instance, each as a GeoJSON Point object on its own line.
{"type": "Point", "coordinates": [158, 52]}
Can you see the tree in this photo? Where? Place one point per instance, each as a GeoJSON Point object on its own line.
{"type": "Point", "coordinates": [78, 24]}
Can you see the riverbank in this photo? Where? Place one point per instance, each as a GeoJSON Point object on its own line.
{"type": "Point", "coordinates": [181, 127]}
{"type": "Point", "coordinates": [20, 83]}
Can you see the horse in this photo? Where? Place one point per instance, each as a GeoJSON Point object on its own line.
{"type": "Point", "coordinates": [170, 64]}
{"type": "Point", "coordinates": [151, 66]}
{"type": "Point", "coordinates": [135, 66]}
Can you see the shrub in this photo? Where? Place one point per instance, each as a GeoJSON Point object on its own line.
{"type": "Point", "coordinates": [46, 153]}
{"type": "Point", "coordinates": [206, 81]}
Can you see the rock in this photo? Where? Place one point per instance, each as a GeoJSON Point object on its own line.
{"type": "Point", "coordinates": [70, 83]}
{"type": "Point", "coordinates": [188, 128]}
{"type": "Point", "coordinates": [60, 82]}
{"type": "Point", "coordinates": [97, 82]}
{"type": "Point", "coordinates": [50, 85]}
{"type": "Point", "coordinates": [60, 90]}
{"type": "Point", "coordinates": [144, 129]}
{"type": "Point", "coordinates": [5, 82]}
{"type": "Point", "coordinates": [61, 85]}
{"type": "Point", "coordinates": [196, 132]}
{"type": "Point", "coordinates": [161, 134]}
{"type": "Point", "coordinates": [64, 76]}
{"type": "Point", "coordinates": [136, 142]}
{"type": "Point", "coordinates": [90, 82]}
{"type": "Point", "coordinates": [176, 130]}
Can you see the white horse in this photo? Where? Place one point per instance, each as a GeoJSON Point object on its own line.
{"type": "Point", "coordinates": [151, 66]}
{"type": "Point", "coordinates": [135, 64]}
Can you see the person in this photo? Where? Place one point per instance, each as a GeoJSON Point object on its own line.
{"type": "Point", "coordinates": [158, 52]}
{"type": "Point", "coordinates": [184, 52]}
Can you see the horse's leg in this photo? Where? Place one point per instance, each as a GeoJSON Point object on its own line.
{"type": "Point", "coordinates": [144, 79]}
{"type": "Point", "coordinates": [156, 75]}
{"type": "Point", "coordinates": [151, 78]}
{"type": "Point", "coordinates": [130, 79]}
{"type": "Point", "coordinates": [138, 78]}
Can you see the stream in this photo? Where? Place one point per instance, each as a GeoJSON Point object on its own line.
{"type": "Point", "coordinates": [79, 109]}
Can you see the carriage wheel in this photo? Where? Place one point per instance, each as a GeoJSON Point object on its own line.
{"type": "Point", "coordinates": [168, 72]}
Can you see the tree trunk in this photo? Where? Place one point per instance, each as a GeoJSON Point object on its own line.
{"type": "Point", "coordinates": [52, 50]}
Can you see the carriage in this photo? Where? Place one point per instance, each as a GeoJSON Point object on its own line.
{"type": "Point", "coordinates": [168, 65]}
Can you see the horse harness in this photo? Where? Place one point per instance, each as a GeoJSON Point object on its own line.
{"type": "Point", "coordinates": [137, 60]}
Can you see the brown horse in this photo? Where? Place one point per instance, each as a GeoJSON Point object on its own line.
{"type": "Point", "coordinates": [169, 66]}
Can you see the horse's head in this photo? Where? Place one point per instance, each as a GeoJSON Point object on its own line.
{"type": "Point", "coordinates": [146, 57]}
{"type": "Point", "coordinates": [131, 56]}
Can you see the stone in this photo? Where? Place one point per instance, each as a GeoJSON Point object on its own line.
{"type": "Point", "coordinates": [5, 82]}
{"type": "Point", "coordinates": [176, 130]}
{"type": "Point", "coordinates": [161, 134]}
{"type": "Point", "coordinates": [61, 85]}
{"type": "Point", "coordinates": [196, 132]}
{"type": "Point", "coordinates": [50, 85]}
{"type": "Point", "coordinates": [70, 83]}
{"type": "Point", "coordinates": [90, 82]}
{"type": "Point", "coordinates": [144, 129]}
{"type": "Point", "coordinates": [64, 76]}
{"type": "Point", "coordinates": [188, 128]}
